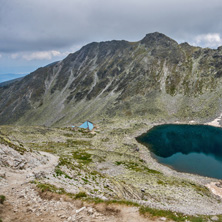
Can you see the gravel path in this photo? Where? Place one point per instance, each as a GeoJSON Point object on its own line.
{"type": "Point", "coordinates": [23, 202]}
{"type": "Point", "coordinates": [20, 177]}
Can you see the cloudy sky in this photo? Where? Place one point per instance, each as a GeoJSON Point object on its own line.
{"type": "Point", "coordinates": [34, 33]}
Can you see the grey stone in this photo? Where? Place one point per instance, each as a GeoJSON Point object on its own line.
{"type": "Point", "coordinates": [90, 210]}
{"type": "Point", "coordinates": [214, 218]}
{"type": "Point", "coordinates": [81, 209]}
{"type": "Point", "coordinates": [3, 175]}
{"type": "Point", "coordinates": [39, 175]}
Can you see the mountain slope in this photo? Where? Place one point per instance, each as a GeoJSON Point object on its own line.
{"type": "Point", "coordinates": [153, 78]}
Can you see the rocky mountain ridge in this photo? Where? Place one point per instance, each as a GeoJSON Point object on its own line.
{"type": "Point", "coordinates": [155, 78]}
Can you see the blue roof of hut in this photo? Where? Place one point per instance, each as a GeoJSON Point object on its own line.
{"type": "Point", "coordinates": [87, 125]}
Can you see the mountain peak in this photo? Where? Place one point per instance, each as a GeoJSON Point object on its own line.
{"type": "Point", "coordinates": [157, 38]}
{"type": "Point", "coordinates": [118, 79]}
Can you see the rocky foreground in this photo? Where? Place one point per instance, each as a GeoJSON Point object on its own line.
{"type": "Point", "coordinates": [25, 203]}
{"type": "Point", "coordinates": [57, 174]}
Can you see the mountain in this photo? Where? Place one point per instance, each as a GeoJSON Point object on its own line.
{"type": "Point", "coordinates": [10, 76]}
{"type": "Point", "coordinates": [155, 78]}
{"type": "Point", "coordinates": [6, 83]}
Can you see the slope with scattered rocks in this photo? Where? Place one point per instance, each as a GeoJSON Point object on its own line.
{"type": "Point", "coordinates": [23, 202]}
{"type": "Point", "coordinates": [84, 169]}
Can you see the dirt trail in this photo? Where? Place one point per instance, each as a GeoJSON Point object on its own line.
{"type": "Point", "coordinates": [20, 177]}
{"type": "Point", "coordinates": [24, 204]}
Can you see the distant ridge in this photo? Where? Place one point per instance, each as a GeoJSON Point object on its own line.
{"type": "Point", "coordinates": [10, 76]}
{"type": "Point", "coordinates": [7, 83]}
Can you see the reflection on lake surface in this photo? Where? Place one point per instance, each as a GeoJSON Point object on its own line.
{"type": "Point", "coordinates": [187, 148]}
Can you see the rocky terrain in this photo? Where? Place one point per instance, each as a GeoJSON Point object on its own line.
{"type": "Point", "coordinates": [25, 203]}
{"type": "Point", "coordinates": [50, 172]}
{"type": "Point", "coordinates": [155, 78]}
{"type": "Point", "coordinates": [102, 176]}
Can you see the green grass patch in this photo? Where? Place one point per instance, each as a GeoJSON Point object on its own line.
{"type": "Point", "coordinates": [80, 195]}
{"type": "Point", "coordinates": [7, 142]}
{"type": "Point", "coordinates": [65, 161]}
{"type": "Point", "coordinates": [71, 143]}
{"type": "Point", "coordinates": [50, 188]}
{"type": "Point", "coordinates": [53, 189]}
{"type": "Point", "coordinates": [82, 157]}
{"type": "Point", "coordinates": [160, 182]}
{"type": "Point", "coordinates": [59, 172]}
{"type": "Point", "coordinates": [147, 211]}
{"type": "Point", "coordinates": [2, 199]}
{"type": "Point", "coordinates": [137, 167]}
{"type": "Point", "coordinates": [85, 180]}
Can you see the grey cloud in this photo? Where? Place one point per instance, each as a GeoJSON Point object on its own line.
{"type": "Point", "coordinates": [35, 25]}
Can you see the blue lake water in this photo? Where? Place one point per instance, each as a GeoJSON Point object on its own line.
{"type": "Point", "coordinates": [187, 148]}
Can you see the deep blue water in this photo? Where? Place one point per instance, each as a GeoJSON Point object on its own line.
{"type": "Point", "coordinates": [187, 148]}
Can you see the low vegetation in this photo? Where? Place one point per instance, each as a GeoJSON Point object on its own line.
{"type": "Point", "coordinates": [59, 172]}
{"type": "Point", "coordinates": [137, 167]}
{"type": "Point", "coordinates": [53, 189]}
{"type": "Point", "coordinates": [2, 199]}
{"type": "Point", "coordinates": [82, 157]}
{"type": "Point", "coordinates": [144, 210]}
{"type": "Point", "coordinates": [50, 188]}
{"type": "Point", "coordinates": [7, 142]}
{"type": "Point", "coordinates": [80, 195]}
{"type": "Point", "coordinates": [150, 212]}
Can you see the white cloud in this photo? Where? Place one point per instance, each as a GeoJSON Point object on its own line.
{"type": "Point", "coordinates": [39, 55]}
{"type": "Point", "coordinates": [14, 55]}
{"type": "Point", "coordinates": [0, 56]}
{"type": "Point", "coordinates": [39, 25]}
{"type": "Point", "coordinates": [212, 40]}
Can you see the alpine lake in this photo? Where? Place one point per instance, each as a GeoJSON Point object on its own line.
{"type": "Point", "coordinates": [195, 149]}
